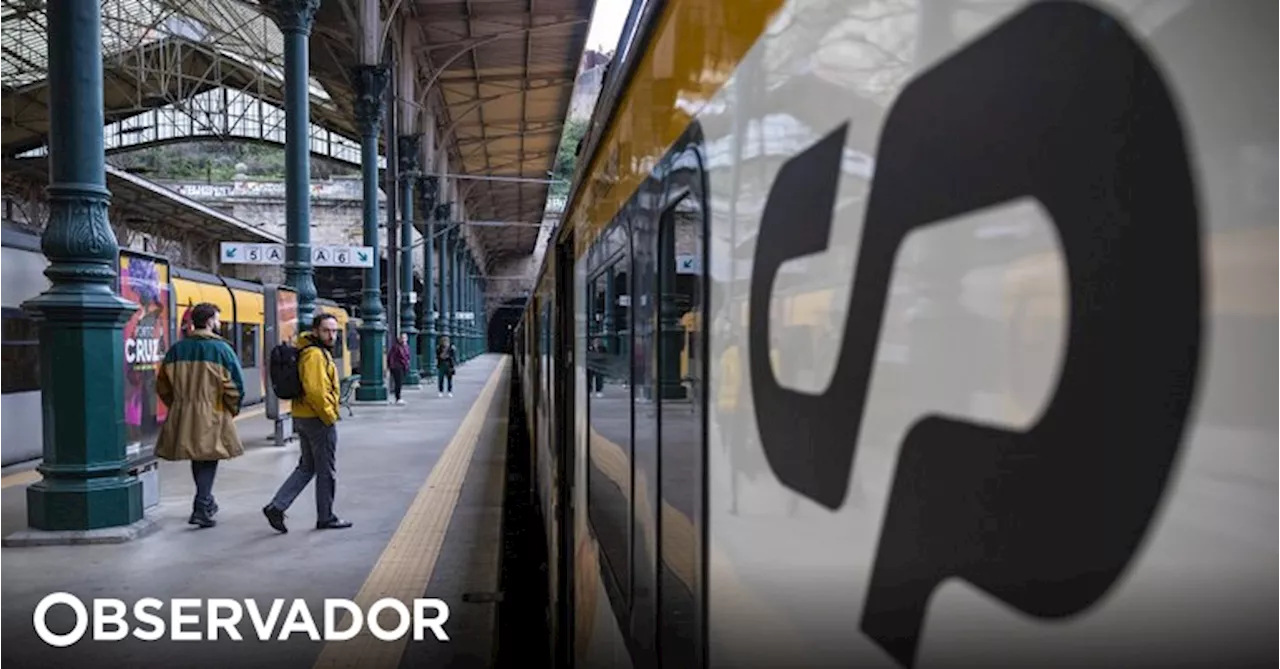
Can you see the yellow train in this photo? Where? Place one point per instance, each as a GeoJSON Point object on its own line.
{"type": "Point", "coordinates": [913, 334]}
{"type": "Point", "coordinates": [244, 306]}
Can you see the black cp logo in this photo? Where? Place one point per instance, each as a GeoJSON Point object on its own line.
{"type": "Point", "coordinates": [1061, 105]}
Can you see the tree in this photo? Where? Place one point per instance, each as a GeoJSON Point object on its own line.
{"type": "Point", "coordinates": [567, 156]}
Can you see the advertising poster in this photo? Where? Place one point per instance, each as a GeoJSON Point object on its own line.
{"type": "Point", "coordinates": [144, 281]}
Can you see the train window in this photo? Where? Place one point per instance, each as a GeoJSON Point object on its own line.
{"type": "Point", "coordinates": [248, 347]}
{"type": "Point", "coordinates": [21, 353]}
{"type": "Point", "coordinates": [339, 349]}
{"type": "Point", "coordinates": [679, 362]}
{"type": "Point", "coordinates": [644, 533]}
{"type": "Point", "coordinates": [353, 345]}
{"type": "Point", "coordinates": [609, 484]}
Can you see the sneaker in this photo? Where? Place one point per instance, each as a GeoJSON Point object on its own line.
{"type": "Point", "coordinates": [201, 519]}
{"type": "Point", "coordinates": [400, 402]}
{"type": "Point", "coordinates": [333, 524]}
{"type": "Point", "coordinates": [439, 394]}
{"type": "Point", "coordinates": [451, 394]}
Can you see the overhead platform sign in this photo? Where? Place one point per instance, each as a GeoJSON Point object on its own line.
{"type": "Point", "coordinates": [239, 253]}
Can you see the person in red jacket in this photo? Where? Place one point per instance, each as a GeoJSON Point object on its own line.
{"type": "Point", "coordinates": [398, 362]}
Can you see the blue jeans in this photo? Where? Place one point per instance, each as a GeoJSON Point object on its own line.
{"type": "Point", "coordinates": [441, 377]}
{"type": "Point", "coordinates": [319, 459]}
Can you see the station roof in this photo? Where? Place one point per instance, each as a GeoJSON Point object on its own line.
{"type": "Point", "coordinates": [504, 69]}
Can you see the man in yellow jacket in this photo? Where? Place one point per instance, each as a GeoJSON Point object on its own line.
{"type": "Point", "coordinates": [315, 417]}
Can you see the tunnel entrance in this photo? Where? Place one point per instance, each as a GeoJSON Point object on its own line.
{"type": "Point", "coordinates": [502, 324]}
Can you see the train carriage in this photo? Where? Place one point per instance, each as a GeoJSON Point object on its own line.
{"type": "Point", "coordinates": [891, 334]}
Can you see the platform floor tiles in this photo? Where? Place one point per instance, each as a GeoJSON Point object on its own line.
{"type": "Point", "coordinates": [422, 483]}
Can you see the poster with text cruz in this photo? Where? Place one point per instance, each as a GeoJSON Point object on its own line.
{"type": "Point", "coordinates": [145, 282]}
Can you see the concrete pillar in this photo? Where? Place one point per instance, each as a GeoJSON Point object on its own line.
{"type": "Point", "coordinates": [371, 84]}
{"type": "Point", "coordinates": [294, 18]}
{"type": "Point", "coordinates": [85, 485]}
{"type": "Point", "coordinates": [408, 165]}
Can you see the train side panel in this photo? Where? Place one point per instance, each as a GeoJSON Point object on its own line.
{"type": "Point", "coordinates": [23, 267]}
{"type": "Point", "coordinates": [1003, 441]}
{"type": "Point", "coordinates": [901, 299]}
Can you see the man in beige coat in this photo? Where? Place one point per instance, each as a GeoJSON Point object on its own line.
{"type": "Point", "coordinates": [201, 382]}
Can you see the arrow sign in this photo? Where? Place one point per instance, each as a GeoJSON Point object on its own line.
{"type": "Point", "coordinates": [688, 264]}
{"type": "Point", "coordinates": [342, 256]}
{"type": "Point", "coordinates": [237, 253]}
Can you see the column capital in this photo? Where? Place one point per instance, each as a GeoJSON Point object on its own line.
{"type": "Point", "coordinates": [407, 152]}
{"type": "Point", "coordinates": [429, 186]}
{"type": "Point", "coordinates": [293, 16]}
{"type": "Point", "coordinates": [371, 84]}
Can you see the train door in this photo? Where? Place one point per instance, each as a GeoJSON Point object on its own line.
{"type": "Point", "coordinates": [563, 438]}
{"type": "Point", "coordinates": [681, 293]}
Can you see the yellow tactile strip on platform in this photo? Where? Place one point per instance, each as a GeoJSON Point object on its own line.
{"type": "Point", "coordinates": [406, 564]}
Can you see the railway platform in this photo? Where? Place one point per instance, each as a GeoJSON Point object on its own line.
{"type": "Point", "coordinates": [422, 483]}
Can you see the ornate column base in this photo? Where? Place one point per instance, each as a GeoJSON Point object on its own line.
{"type": "Point", "coordinates": [428, 365]}
{"type": "Point", "coordinates": [412, 378]}
{"type": "Point", "coordinates": [86, 483]}
{"type": "Point", "coordinates": [373, 385]}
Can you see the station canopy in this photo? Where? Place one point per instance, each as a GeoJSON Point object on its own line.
{"type": "Point", "coordinates": [505, 71]}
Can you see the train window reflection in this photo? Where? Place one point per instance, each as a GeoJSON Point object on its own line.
{"type": "Point", "coordinates": [609, 484]}
{"type": "Point", "coordinates": [21, 353]}
{"type": "Point", "coordinates": [680, 425]}
{"type": "Point", "coordinates": [248, 346]}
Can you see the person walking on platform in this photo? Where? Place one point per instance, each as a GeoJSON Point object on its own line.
{"type": "Point", "coordinates": [201, 383]}
{"type": "Point", "coordinates": [398, 363]}
{"type": "Point", "coordinates": [446, 361]}
{"type": "Point", "coordinates": [315, 417]}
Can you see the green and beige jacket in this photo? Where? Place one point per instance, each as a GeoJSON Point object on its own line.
{"type": "Point", "coordinates": [201, 383]}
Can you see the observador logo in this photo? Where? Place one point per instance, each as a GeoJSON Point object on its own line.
{"type": "Point", "coordinates": [225, 618]}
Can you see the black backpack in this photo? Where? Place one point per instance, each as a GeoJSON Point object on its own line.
{"type": "Point", "coordinates": [286, 382]}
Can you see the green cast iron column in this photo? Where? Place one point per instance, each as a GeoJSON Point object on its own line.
{"type": "Point", "coordinates": [470, 286]}
{"type": "Point", "coordinates": [371, 84]}
{"type": "Point", "coordinates": [467, 271]}
{"type": "Point", "coordinates": [446, 238]}
{"type": "Point", "coordinates": [294, 18]}
{"type": "Point", "coordinates": [408, 152]}
{"type": "Point", "coordinates": [451, 258]}
{"type": "Point", "coordinates": [81, 319]}
{"type": "Point", "coordinates": [474, 285]}
{"type": "Point", "coordinates": [428, 188]}
{"type": "Point", "coordinates": [460, 326]}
